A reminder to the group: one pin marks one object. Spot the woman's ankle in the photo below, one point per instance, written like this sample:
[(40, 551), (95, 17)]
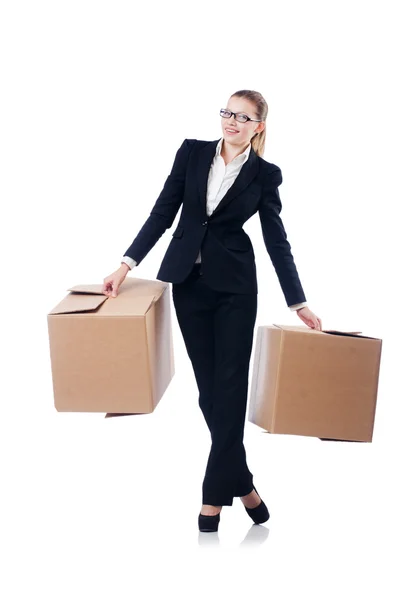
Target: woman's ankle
[(210, 510), (251, 500)]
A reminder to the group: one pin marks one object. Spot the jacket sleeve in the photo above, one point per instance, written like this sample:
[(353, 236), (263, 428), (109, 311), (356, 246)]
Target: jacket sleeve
[(276, 242), (165, 208)]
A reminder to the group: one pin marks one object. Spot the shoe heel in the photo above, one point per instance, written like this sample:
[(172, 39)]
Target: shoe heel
[(208, 522)]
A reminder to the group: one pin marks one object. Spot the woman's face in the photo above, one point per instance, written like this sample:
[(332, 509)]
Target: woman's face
[(245, 131)]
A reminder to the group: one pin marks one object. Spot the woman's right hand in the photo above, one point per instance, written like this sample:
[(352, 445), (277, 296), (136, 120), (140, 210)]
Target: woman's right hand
[(112, 282)]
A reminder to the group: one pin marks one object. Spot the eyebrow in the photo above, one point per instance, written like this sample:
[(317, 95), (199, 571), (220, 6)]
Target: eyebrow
[(238, 112)]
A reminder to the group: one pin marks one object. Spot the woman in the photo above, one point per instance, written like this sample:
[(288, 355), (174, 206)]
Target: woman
[(211, 265)]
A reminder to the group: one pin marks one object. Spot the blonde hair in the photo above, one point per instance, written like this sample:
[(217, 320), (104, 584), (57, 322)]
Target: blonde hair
[(258, 139)]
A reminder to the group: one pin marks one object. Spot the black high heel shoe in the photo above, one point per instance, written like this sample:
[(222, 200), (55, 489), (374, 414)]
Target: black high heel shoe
[(260, 513), (209, 522)]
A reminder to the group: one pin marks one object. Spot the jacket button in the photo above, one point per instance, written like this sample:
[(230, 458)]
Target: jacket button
[(205, 223)]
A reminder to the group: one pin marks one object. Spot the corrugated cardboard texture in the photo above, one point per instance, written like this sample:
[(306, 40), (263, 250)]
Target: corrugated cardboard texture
[(112, 355), (265, 377), (315, 383)]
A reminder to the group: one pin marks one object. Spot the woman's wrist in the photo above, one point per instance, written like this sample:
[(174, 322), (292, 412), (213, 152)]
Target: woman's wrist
[(124, 267)]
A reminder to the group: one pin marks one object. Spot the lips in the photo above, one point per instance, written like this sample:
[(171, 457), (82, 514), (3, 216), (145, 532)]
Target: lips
[(231, 130)]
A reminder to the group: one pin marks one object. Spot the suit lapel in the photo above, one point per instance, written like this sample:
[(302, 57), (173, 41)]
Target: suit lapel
[(248, 171)]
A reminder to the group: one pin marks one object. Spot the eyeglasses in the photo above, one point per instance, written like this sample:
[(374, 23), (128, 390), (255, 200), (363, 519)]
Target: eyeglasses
[(240, 117)]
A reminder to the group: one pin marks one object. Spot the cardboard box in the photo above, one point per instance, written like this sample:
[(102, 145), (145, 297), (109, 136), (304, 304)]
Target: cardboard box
[(112, 355), (315, 383)]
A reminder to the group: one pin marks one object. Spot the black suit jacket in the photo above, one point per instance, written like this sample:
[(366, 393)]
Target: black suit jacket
[(227, 255)]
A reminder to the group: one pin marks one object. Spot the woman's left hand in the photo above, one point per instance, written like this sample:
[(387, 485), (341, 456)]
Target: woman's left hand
[(309, 318)]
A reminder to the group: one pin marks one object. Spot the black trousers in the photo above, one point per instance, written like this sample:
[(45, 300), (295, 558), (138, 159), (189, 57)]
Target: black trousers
[(217, 328)]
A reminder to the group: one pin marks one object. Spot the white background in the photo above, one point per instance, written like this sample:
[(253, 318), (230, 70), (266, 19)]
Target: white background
[(96, 97)]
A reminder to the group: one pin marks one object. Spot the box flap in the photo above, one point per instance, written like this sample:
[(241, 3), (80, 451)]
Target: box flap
[(135, 298), (76, 302), (127, 305), (88, 288), (121, 305), (299, 328), (338, 332), (109, 415), (306, 329)]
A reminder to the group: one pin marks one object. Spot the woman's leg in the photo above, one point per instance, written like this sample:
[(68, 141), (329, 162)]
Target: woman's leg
[(194, 307), (217, 329), (227, 474)]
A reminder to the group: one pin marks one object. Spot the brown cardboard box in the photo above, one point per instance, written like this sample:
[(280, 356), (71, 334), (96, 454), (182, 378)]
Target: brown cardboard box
[(112, 355), (315, 383)]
